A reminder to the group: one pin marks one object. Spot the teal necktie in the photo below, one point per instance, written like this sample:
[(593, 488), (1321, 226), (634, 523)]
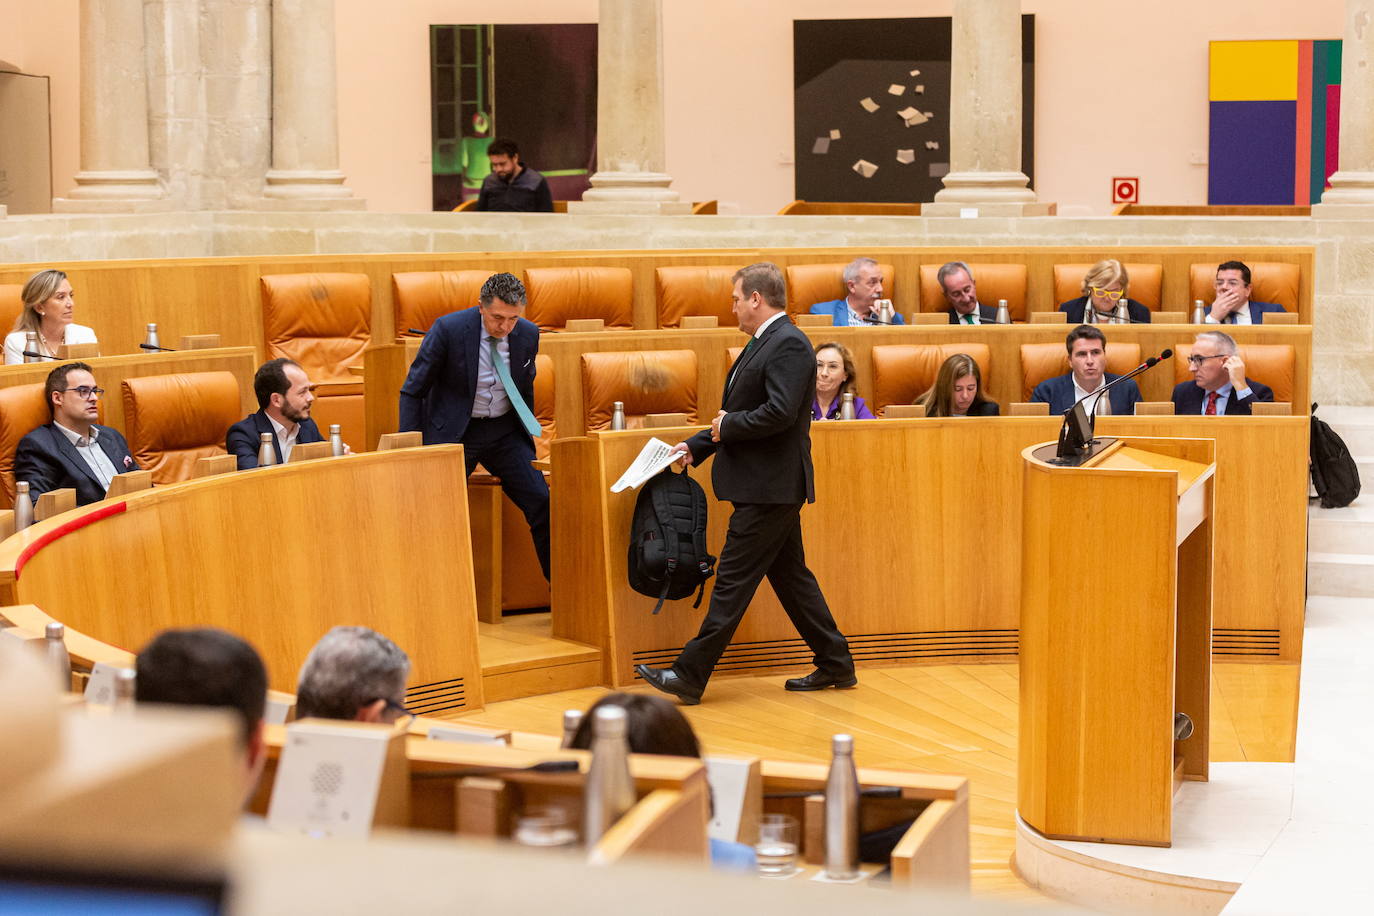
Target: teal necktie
[(522, 410)]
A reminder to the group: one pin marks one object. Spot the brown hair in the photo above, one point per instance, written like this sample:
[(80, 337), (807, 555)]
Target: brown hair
[(939, 398), (846, 359), (653, 725), (764, 278)]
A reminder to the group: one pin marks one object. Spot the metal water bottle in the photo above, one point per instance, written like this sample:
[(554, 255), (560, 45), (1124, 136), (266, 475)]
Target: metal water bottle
[(23, 506), (55, 645), (126, 679), (842, 812), (1199, 312), (1123, 314), (572, 719), (618, 415), (31, 346), (885, 311), (336, 446), (150, 339), (267, 456), (610, 790), (1003, 313), (847, 406)]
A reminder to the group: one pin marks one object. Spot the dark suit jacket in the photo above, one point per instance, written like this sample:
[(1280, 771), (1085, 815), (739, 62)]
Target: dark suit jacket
[(764, 453), (1188, 398), (986, 314), (48, 461), (1058, 393), (1257, 310), (242, 440), (986, 409), (438, 393), (1077, 308)]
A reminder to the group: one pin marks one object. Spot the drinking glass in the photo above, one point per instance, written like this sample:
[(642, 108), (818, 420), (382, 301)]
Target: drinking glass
[(776, 848)]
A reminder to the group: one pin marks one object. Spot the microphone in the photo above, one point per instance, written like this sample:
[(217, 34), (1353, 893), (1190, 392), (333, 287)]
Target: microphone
[(1079, 425), (546, 766), (38, 355), (148, 346), (415, 331), (1149, 363)]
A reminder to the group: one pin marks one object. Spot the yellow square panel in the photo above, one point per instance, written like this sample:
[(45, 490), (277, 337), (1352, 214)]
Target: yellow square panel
[(1253, 71)]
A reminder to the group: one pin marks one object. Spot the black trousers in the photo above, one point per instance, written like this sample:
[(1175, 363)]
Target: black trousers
[(764, 540), (502, 447)]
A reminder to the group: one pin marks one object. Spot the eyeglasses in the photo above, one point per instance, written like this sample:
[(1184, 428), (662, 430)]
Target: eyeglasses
[(1112, 294), (1196, 361), (400, 710), (85, 391)]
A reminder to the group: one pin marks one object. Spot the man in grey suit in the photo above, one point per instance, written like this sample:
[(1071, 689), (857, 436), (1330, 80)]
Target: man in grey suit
[(761, 440)]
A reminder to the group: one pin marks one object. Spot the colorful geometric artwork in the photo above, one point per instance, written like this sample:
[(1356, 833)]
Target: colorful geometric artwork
[(1275, 117)]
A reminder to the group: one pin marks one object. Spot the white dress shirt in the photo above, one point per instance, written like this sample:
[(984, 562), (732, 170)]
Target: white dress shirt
[(91, 452), (1099, 405), (490, 399), (284, 441), (1239, 316)]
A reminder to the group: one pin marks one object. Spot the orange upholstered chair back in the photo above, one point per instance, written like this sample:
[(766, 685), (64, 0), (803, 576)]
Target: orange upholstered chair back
[(902, 373), (322, 321), (421, 296), (544, 404), (683, 291), (1146, 281), (559, 294), (1270, 281), (648, 381), (21, 412), (175, 420), (12, 303), (1272, 364), (1047, 360), (994, 281), (808, 284)]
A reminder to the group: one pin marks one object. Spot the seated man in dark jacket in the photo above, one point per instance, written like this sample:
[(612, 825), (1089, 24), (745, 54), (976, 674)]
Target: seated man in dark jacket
[(284, 397), (1219, 386), (72, 451), (1087, 379), (512, 186)]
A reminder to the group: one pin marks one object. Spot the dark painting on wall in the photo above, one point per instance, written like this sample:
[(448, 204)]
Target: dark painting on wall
[(871, 107), (534, 84)]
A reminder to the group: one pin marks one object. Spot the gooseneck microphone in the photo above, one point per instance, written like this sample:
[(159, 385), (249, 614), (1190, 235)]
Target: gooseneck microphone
[(38, 355), (148, 346), (1080, 425)]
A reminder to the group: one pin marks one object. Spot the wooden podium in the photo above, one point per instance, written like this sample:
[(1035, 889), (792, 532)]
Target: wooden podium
[(1116, 620)]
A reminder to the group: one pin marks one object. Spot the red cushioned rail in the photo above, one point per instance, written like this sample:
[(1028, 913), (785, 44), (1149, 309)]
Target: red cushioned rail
[(64, 529)]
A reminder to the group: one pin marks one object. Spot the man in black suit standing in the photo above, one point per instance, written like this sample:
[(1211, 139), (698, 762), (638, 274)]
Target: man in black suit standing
[(761, 440), (473, 382), (961, 292), (284, 396), (72, 451)]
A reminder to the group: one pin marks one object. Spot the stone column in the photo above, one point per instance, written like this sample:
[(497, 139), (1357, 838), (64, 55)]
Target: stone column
[(305, 121), (629, 114), (115, 175), (1351, 195), (985, 115)]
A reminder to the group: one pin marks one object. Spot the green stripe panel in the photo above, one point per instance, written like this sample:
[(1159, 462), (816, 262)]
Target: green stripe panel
[(1326, 71)]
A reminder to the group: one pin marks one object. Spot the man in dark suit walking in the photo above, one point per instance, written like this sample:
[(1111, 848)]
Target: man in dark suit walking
[(284, 396), (473, 382), (72, 451), (761, 440)]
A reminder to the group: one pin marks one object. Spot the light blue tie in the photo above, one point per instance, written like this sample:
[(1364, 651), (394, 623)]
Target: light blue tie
[(522, 410)]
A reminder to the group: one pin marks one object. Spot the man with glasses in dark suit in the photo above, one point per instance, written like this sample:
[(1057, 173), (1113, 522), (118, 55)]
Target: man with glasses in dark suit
[(355, 674), (1219, 386)]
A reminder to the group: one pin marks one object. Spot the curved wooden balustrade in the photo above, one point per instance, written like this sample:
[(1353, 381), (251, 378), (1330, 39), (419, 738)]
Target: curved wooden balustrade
[(278, 555)]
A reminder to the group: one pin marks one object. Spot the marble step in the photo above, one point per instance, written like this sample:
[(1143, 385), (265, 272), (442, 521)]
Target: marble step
[(1342, 575)]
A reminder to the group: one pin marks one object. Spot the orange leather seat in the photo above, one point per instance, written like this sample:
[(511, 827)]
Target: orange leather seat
[(808, 284), (994, 281), (902, 373), (559, 294), (422, 296), (12, 303), (1274, 365), (1147, 282), (21, 412), (683, 291), (175, 420), (1270, 281), (647, 381), (1047, 360), (323, 322)]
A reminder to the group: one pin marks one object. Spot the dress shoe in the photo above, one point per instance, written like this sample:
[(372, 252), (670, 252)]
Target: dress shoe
[(665, 680), (819, 680)]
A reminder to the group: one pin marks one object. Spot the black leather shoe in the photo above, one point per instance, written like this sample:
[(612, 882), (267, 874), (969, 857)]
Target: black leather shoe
[(819, 680), (665, 680)]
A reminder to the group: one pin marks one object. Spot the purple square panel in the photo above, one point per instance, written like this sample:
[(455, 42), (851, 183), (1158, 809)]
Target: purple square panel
[(1251, 152)]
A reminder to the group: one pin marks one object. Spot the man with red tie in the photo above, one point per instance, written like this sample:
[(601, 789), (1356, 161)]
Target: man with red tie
[(1219, 386)]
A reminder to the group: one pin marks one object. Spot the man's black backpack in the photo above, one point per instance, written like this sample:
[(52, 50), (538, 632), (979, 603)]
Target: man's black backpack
[(668, 557), (1335, 475)]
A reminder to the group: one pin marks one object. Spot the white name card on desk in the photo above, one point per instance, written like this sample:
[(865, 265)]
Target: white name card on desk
[(100, 688), (329, 778), (467, 736), (729, 781)]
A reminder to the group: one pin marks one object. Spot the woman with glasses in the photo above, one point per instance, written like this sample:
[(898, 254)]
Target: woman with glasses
[(1104, 289), (47, 314)]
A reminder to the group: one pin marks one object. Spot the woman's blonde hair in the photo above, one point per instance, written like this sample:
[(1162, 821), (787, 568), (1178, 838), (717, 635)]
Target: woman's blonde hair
[(39, 289), (1104, 274), (939, 398)]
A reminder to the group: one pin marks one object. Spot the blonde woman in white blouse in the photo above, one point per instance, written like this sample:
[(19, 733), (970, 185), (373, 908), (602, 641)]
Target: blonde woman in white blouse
[(48, 310)]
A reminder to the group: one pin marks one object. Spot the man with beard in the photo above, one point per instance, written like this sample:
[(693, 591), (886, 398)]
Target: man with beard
[(284, 397)]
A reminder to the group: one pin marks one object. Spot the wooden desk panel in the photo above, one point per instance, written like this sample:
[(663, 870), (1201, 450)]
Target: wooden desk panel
[(278, 555)]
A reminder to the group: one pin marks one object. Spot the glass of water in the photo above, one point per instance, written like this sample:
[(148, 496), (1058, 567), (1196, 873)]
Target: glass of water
[(776, 848)]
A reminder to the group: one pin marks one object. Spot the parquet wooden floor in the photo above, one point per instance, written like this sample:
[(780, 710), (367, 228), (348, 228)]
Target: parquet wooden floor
[(944, 718)]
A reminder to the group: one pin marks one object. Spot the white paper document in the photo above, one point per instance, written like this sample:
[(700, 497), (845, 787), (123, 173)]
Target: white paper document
[(654, 457)]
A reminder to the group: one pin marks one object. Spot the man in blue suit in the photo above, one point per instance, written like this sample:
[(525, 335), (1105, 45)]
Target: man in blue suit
[(1088, 364), (284, 396), (864, 281), (1219, 386), (473, 382), (1232, 304)]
